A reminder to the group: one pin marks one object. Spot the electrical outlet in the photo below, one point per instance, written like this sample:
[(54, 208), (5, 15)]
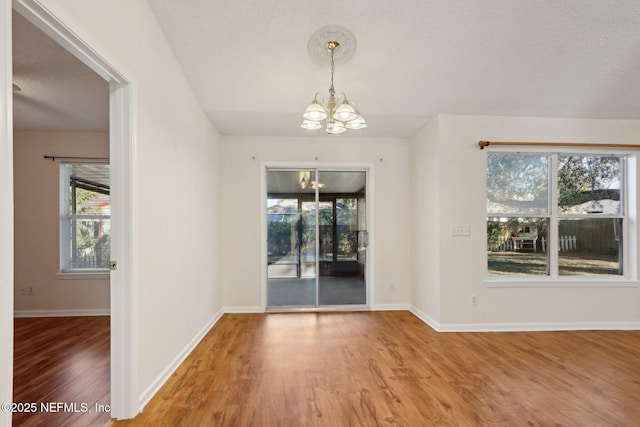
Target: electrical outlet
[(474, 300), (27, 290)]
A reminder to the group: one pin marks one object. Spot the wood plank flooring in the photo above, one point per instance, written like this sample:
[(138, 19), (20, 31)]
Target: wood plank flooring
[(66, 360), (390, 369)]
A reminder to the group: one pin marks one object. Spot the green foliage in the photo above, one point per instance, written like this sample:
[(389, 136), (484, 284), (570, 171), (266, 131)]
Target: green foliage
[(279, 233), (92, 241), (347, 241), (580, 178), (92, 244)]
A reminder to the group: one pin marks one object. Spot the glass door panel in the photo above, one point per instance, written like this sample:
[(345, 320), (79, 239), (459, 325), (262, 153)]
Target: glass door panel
[(363, 234), (308, 239), (325, 234), (341, 279), (291, 238)]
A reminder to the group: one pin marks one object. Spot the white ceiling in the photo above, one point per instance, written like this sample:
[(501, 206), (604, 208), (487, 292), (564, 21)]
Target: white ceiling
[(248, 65)]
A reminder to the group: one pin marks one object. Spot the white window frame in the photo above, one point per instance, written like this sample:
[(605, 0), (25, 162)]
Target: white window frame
[(628, 193), (65, 244)]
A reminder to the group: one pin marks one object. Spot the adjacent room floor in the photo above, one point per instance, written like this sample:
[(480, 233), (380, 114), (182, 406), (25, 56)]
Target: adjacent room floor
[(62, 366)]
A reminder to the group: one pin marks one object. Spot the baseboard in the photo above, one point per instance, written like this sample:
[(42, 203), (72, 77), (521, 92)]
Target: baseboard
[(390, 307), (63, 313), (524, 327), (425, 318), (540, 327), (254, 309), (243, 309), (150, 391)]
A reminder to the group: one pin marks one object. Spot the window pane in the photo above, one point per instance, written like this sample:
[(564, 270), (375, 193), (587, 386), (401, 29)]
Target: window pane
[(85, 210), (89, 243), (325, 217), (290, 238), (590, 246), (517, 246), (89, 188), (589, 184), (517, 184), (282, 239), (347, 228), (308, 240)]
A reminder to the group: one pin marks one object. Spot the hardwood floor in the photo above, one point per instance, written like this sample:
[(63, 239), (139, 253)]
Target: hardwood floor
[(389, 368), (57, 361)]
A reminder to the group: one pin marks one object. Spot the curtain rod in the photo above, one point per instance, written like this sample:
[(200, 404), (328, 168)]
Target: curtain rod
[(53, 158), (483, 144)]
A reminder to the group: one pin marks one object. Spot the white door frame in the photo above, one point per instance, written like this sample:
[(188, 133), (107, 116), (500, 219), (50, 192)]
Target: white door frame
[(369, 168), (6, 214), (124, 319)]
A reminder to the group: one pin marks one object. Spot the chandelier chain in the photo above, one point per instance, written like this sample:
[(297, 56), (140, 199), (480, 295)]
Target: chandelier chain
[(333, 68)]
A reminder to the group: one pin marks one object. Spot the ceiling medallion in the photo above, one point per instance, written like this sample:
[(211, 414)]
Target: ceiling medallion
[(317, 44)]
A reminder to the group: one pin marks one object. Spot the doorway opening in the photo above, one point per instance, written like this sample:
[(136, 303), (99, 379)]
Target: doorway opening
[(123, 339), (61, 273), (316, 239)]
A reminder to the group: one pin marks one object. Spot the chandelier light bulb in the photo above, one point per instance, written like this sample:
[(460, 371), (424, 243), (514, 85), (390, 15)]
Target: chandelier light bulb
[(345, 111), (356, 124), (311, 124), (315, 111), (336, 127)]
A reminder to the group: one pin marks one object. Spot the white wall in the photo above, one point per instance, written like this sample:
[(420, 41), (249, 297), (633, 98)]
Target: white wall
[(36, 189), (462, 261), (176, 172), (425, 222), (243, 209)]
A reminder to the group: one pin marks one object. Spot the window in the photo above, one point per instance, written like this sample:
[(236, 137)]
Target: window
[(555, 214), (85, 209)]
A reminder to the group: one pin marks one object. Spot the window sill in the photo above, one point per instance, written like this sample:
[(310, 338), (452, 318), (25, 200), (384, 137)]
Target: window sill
[(93, 275), (569, 282)]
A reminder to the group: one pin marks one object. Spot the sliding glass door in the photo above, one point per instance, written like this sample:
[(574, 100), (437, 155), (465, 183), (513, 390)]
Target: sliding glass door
[(316, 238), (342, 238)]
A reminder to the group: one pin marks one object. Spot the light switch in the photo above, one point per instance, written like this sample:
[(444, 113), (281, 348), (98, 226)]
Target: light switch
[(460, 230)]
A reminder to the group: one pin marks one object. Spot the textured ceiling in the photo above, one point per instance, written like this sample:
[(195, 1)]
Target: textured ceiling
[(248, 65), (59, 93)]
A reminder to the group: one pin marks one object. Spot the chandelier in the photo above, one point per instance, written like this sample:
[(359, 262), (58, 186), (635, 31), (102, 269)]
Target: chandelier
[(340, 113)]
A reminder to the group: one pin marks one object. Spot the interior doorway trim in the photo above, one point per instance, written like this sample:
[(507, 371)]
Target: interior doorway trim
[(122, 121), (6, 213), (369, 168)]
